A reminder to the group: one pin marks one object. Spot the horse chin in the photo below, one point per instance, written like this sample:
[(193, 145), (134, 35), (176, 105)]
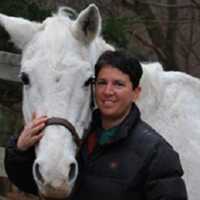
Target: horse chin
[(54, 194)]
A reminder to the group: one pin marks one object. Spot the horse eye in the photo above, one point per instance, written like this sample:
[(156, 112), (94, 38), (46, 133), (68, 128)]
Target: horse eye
[(89, 81), (25, 78)]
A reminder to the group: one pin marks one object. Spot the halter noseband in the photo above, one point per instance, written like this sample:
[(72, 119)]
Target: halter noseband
[(67, 125)]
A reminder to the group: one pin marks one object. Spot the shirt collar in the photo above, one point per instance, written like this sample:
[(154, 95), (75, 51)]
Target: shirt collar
[(118, 132)]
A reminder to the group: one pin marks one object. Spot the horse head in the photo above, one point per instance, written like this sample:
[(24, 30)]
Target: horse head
[(58, 56)]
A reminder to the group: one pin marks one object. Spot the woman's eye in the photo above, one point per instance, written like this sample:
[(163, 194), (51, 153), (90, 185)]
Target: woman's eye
[(101, 82), (119, 83), (25, 78)]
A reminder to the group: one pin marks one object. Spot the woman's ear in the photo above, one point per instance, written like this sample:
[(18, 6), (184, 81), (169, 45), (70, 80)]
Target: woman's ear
[(136, 93)]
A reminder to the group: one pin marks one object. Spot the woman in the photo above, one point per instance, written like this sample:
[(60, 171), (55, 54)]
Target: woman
[(122, 157)]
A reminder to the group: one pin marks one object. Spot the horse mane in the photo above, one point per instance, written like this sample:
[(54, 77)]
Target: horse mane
[(66, 11), (65, 15)]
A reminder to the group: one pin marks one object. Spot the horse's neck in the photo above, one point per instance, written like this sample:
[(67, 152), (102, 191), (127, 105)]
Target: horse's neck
[(151, 93), (97, 48)]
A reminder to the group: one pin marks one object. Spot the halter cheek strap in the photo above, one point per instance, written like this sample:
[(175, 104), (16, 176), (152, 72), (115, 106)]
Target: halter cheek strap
[(90, 82), (67, 125)]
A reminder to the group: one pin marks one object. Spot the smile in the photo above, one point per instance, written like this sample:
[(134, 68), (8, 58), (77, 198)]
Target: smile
[(108, 102)]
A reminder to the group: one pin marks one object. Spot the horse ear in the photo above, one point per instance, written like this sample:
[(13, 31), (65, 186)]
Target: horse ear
[(88, 24), (20, 30)]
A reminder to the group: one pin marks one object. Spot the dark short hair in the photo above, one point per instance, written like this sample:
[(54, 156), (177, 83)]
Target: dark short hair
[(122, 61)]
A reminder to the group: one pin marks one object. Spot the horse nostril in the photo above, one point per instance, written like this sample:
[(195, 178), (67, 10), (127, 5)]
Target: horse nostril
[(37, 172), (72, 171)]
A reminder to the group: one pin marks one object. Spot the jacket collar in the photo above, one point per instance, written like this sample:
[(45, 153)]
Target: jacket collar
[(123, 129)]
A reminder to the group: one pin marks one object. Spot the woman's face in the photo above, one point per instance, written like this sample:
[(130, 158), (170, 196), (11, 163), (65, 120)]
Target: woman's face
[(114, 93)]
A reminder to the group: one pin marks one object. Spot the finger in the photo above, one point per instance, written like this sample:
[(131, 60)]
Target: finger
[(33, 115), (37, 129), (37, 138), (39, 121)]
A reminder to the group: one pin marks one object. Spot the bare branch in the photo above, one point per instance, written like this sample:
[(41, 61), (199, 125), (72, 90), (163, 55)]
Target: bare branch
[(149, 45), (168, 21), (171, 5), (167, 5), (196, 3), (155, 32), (162, 29), (186, 48), (171, 33)]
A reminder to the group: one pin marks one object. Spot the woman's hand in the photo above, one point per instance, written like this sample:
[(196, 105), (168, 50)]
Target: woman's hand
[(31, 133)]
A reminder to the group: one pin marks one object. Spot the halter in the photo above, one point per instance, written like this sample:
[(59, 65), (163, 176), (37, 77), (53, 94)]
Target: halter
[(90, 82), (67, 125)]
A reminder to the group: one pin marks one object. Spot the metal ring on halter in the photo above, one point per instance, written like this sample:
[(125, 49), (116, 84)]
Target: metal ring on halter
[(66, 124)]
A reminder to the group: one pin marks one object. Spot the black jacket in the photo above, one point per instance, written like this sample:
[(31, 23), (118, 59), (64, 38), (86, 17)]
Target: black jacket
[(136, 164)]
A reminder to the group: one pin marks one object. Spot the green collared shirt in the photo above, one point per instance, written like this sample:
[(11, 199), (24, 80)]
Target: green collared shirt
[(107, 135)]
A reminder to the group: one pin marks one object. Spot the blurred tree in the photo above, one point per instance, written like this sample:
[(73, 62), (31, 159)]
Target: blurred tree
[(115, 30), (163, 30), (172, 29)]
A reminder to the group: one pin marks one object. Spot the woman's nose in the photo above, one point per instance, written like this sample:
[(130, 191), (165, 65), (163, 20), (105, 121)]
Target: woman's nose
[(109, 89)]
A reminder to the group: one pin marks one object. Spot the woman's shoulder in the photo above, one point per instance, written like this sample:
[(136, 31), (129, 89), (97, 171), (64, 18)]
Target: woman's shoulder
[(148, 141)]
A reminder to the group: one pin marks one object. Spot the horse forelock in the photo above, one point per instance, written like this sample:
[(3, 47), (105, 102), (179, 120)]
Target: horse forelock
[(56, 42), (67, 11)]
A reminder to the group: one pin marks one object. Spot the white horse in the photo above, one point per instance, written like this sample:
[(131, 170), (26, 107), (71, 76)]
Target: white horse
[(58, 59)]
